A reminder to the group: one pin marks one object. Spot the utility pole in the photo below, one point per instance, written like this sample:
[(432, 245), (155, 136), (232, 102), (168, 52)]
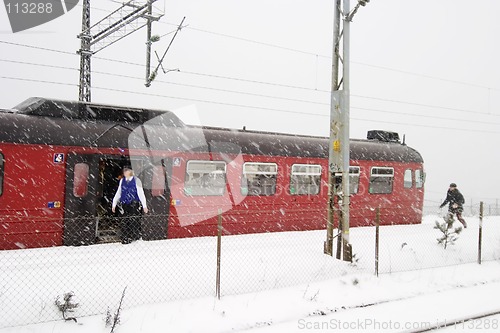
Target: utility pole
[(117, 25), (333, 159), (339, 146)]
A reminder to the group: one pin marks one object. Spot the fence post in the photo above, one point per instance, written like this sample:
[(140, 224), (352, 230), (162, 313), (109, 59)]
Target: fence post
[(479, 248), (219, 239), (377, 224)]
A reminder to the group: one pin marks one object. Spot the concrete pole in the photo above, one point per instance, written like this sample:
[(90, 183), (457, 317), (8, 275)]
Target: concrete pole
[(334, 120), (345, 146)]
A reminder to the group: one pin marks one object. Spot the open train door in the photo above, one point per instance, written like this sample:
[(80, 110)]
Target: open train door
[(80, 203), (157, 191)]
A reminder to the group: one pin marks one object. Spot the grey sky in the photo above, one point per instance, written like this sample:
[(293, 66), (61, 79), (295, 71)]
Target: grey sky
[(424, 68)]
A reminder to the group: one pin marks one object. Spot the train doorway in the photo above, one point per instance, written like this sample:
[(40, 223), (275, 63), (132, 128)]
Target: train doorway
[(92, 181), (108, 227)]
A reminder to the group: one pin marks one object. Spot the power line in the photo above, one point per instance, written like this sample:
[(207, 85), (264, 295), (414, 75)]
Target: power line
[(425, 76), (257, 95), (426, 126), (37, 47), (329, 57), (264, 82), (185, 72), (426, 116), (245, 106), (166, 82), (251, 94), (164, 96), (425, 105), (291, 49)]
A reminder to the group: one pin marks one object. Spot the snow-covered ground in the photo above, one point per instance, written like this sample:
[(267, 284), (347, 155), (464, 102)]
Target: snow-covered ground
[(407, 300), (270, 282)]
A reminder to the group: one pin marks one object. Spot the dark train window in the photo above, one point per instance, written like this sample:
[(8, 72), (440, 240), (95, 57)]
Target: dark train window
[(306, 179), (205, 178), (1, 172), (419, 178), (354, 172), (81, 180), (259, 178), (381, 180), (158, 182), (408, 178)]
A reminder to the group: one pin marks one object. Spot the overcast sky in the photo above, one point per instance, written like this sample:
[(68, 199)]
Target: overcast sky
[(428, 69)]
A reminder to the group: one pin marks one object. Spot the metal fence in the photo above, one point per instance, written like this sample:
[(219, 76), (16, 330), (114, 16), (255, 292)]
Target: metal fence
[(471, 208), (31, 280)]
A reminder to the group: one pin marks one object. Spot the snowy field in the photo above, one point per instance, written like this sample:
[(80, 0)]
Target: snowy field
[(266, 279)]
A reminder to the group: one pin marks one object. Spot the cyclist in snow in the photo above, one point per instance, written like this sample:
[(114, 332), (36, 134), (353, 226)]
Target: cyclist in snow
[(456, 201)]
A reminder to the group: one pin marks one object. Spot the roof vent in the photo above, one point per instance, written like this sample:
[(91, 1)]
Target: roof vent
[(383, 136)]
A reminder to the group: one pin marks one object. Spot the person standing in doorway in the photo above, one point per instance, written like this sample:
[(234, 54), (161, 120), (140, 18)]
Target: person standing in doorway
[(456, 201), (130, 195)]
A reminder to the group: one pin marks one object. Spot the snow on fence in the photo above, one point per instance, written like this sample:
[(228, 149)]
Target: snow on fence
[(160, 271)]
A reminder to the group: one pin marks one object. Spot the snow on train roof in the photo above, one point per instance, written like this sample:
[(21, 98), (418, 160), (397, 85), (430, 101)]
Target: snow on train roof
[(164, 131), (43, 107)]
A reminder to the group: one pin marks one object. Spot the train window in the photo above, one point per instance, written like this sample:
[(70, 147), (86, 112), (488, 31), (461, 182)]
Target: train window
[(354, 172), (259, 178), (158, 183), (205, 178), (408, 178), (381, 180), (1, 172), (419, 178), (81, 180), (306, 179)]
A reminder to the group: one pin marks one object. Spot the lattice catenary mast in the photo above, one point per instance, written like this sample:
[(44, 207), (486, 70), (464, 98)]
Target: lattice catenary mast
[(112, 28)]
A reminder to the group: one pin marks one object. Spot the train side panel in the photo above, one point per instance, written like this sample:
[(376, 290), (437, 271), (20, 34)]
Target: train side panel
[(283, 211), (31, 205)]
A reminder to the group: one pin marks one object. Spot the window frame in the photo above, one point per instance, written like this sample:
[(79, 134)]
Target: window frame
[(81, 181), (419, 181), (391, 176), (405, 182), (2, 172), (354, 175), (313, 174), (244, 179), (189, 162)]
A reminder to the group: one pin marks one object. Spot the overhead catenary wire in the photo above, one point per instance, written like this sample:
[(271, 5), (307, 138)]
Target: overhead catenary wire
[(262, 108), (253, 94), (260, 82), (315, 54)]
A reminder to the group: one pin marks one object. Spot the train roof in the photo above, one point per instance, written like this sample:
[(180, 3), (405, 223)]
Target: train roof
[(72, 110), (60, 123)]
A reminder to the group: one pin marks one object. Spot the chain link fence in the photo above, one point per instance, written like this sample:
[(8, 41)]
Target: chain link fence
[(31, 280), (491, 208)]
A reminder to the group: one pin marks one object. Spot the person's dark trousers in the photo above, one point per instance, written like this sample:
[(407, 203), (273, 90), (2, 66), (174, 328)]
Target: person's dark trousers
[(458, 212), (131, 222)]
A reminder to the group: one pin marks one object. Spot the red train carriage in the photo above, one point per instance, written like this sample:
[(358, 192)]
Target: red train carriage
[(60, 162)]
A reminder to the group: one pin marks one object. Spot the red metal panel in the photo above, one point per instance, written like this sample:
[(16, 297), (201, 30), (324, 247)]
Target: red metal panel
[(32, 202), (33, 180)]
